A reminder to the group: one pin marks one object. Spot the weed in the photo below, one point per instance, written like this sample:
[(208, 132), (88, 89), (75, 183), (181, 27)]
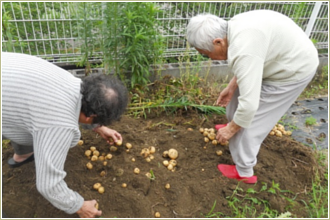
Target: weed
[(310, 121), (213, 214), (317, 206), (5, 143), (152, 177)]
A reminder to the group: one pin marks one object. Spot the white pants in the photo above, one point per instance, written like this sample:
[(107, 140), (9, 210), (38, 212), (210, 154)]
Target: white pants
[(274, 102)]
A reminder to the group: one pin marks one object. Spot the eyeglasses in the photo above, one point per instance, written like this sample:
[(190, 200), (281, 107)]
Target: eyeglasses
[(204, 55)]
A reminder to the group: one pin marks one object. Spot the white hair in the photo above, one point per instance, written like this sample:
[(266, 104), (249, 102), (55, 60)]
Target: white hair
[(203, 29)]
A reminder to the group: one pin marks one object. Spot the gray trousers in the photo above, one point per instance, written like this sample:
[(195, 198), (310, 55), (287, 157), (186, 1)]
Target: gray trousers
[(20, 140), (274, 102)]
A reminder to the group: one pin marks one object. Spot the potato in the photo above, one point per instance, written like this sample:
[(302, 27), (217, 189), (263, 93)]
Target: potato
[(102, 174), (165, 154), (105, 163), (92, 148), (133, 159), (124, 185), (151, 157), (166, 163), (205, 133), (214, 142), (201, 130), (96, 206), (97, 186), (94, 158), (272, 133), (225, 143), (145, 152), (152, 149), (137, 170), (119, 143), (113, 148), (96, 153), (289, 133), (148, 175), (128, 146), (157, 215), (219, 152), (173, 162), (190, 129), (211, 136), (278, 134), (101, 190), (206, 140), (109, 156), (167, 186), (101, 158), (89, 165), (148, 159), (173, 154), (80, 142), (170, 167), (88, 153)]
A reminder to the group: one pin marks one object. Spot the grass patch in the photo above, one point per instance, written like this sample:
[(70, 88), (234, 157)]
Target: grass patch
[(5, 143)]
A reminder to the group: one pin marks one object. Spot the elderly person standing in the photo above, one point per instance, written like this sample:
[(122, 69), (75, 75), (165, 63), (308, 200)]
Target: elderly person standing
[(272, 60), (42, 106)]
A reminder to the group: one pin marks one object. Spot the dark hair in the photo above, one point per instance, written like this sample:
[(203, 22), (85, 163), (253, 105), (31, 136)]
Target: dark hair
[(104, 96)]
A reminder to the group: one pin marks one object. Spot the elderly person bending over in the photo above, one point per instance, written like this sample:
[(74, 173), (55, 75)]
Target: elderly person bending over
[(42, 106), (272, 60)]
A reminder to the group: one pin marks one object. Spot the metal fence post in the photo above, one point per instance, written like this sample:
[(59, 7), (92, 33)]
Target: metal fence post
[(312, 19)]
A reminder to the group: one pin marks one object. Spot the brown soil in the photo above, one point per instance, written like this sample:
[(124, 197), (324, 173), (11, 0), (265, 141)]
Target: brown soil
[(195, 185)]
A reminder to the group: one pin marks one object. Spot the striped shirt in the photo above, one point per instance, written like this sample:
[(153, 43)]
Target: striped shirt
[(40, 106)]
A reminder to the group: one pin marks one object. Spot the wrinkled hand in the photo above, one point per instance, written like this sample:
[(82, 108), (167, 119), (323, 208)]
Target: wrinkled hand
[(224, 134), (88, 210), (107, 133), (225, 97)]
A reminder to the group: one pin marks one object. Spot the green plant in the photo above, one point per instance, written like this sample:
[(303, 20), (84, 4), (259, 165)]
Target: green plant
[(212, 214), (6, 32), (84, 29), (310, 121), (152, 175), (5, 143), (131, 40), (317, 206)]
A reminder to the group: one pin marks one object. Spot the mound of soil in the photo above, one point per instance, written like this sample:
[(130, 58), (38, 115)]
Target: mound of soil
[(195, 184)]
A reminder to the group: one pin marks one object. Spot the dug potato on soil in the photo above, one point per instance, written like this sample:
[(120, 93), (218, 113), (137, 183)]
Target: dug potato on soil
[(191, 193)]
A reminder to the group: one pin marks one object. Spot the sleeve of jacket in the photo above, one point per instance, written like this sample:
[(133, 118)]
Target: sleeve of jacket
[(51, 147), (247, 55)]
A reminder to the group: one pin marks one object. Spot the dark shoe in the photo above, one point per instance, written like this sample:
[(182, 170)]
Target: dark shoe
[(12, 163)]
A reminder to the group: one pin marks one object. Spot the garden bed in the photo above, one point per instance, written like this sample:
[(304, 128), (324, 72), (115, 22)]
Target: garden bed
[(196, 184)]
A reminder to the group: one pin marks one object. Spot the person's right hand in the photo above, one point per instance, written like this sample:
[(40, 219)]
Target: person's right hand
[(88, 210), (225, 97)]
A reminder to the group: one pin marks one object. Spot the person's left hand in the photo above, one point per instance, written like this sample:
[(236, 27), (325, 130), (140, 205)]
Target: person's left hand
[(107, 133), (225, 133)]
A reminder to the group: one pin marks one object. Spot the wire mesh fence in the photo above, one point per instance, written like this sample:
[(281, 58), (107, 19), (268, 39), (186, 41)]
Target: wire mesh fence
[(56, 31)]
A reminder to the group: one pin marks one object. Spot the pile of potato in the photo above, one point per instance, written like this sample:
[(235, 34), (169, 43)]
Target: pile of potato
[(172, 154), (147, 153), (278, 130), (210, 136)]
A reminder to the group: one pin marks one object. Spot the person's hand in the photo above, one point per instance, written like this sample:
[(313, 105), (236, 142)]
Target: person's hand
[(107, 133), (224, 97), (88, 210), (225, 133)]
